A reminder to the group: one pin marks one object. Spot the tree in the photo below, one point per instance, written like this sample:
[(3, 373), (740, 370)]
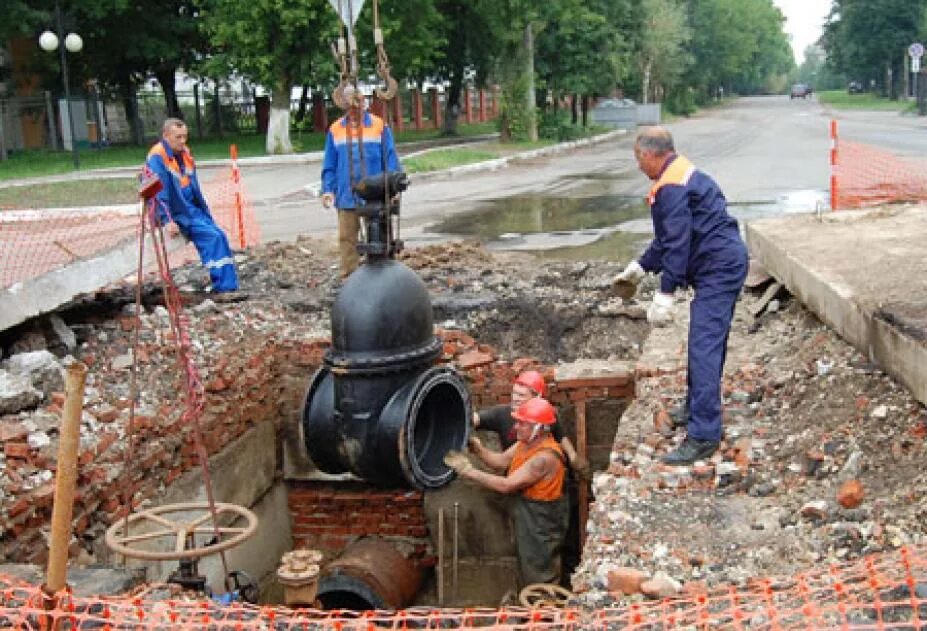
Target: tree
[(867, 39), (468, 47), (662, 58), (277, 43)]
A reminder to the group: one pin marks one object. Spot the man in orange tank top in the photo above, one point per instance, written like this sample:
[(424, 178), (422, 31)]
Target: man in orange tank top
[(535, 469)]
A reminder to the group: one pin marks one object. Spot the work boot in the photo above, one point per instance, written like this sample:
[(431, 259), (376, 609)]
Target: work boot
[(229, 296), (679, 414), (689, 451)]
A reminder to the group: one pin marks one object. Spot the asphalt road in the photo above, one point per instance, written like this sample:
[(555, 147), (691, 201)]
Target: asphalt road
[(765, 152)]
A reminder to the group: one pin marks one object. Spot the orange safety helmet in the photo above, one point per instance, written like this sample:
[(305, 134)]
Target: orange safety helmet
[(534, 380), (536, 410)]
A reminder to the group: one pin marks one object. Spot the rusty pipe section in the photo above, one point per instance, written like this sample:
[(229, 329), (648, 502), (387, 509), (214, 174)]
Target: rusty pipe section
[(65, 479), (379, 407), (371, 573)]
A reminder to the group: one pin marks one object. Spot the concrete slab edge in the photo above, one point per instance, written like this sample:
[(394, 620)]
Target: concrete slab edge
[(834, 303), (44, 294)]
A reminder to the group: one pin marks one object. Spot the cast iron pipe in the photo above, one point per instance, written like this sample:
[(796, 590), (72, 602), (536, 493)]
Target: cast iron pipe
[(370, 574)]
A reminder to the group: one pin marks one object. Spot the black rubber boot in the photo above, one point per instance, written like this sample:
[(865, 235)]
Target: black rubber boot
[(691, 450)]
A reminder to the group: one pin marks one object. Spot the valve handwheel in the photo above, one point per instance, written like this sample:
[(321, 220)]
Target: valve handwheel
[(180, 530), (539, 595)]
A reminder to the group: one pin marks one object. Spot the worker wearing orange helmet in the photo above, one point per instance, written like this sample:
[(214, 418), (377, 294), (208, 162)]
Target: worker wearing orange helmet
[(534, 472), (527, 385)]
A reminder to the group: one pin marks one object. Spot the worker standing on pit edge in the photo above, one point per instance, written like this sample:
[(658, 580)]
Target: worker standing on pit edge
[(535, 469), (697, 243), (356, 134)]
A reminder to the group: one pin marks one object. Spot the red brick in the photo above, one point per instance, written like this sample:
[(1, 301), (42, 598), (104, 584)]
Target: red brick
[(619, 377), (472, 359), (19, 507), (626, 580), (850, 494), (16, 450), (106, 414), (12, 432)]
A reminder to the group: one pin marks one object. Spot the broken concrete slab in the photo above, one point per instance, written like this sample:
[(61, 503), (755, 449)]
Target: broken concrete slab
[(45, 293), (861, 272)]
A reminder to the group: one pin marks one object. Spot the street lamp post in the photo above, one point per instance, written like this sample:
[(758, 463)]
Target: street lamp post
[(49, 41)]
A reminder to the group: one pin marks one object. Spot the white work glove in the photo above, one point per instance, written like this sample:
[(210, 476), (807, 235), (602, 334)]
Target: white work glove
[(328, 200), (660, 312), (633, 273)]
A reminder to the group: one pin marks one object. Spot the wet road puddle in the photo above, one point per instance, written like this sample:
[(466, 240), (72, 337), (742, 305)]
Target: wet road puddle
[(789, 203), (608, 226), (611, 227)]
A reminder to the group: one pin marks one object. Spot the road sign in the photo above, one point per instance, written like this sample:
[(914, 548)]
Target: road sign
[(915, 64), (916, 50), (348, 10)]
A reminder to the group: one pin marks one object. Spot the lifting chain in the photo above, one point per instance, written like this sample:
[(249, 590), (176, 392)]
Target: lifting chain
[(193, 385), (383, 68)]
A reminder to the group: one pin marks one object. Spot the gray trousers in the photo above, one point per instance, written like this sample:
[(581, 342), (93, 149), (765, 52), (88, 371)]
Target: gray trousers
[(540, 530)]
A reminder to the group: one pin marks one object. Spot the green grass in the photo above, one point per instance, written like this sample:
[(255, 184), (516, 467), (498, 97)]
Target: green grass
[(122, 190), (445, 158), (457, 156), (841, 99)]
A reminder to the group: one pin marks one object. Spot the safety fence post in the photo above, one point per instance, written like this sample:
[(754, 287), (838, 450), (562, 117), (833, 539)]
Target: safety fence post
[(417, 108), (397, 121), (239, 210), (435, 109), (468, 105), (833, 165)]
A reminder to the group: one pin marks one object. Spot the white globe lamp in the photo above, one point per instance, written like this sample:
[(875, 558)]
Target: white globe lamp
[(73, 43), (48, 41)]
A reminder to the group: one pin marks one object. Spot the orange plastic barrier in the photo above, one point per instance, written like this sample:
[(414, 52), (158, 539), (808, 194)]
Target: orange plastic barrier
[(35, 242), (886, 591), (864, 175)]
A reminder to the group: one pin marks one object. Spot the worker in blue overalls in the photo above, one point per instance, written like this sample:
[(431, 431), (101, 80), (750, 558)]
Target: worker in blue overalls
[(698, 245), (182, 201)]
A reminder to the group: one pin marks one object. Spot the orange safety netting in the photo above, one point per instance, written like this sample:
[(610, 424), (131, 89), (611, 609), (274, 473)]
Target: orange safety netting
[(883, 591), (865, 175), (35, 242)]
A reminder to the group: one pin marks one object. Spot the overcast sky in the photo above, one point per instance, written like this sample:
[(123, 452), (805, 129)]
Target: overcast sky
[(804, 19)]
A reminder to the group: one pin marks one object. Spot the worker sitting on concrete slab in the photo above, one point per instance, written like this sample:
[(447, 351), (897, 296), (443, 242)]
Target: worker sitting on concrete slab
[(535, 469), (182, 201), (698, 245), (498, 418)]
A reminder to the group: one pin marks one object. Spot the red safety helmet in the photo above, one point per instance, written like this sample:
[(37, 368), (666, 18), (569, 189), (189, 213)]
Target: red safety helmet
[(534, 380), (536, 410)]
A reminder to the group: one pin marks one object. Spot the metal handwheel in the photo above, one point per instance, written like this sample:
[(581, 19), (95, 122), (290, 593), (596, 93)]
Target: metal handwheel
[(180, 531), (544, 595)]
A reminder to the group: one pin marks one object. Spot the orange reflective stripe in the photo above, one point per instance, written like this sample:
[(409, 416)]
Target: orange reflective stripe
[(371, 133), (678, 172), (546, 489)]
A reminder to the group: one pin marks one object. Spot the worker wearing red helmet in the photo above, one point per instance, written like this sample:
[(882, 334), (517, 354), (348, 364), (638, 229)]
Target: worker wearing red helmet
[(527, 385), (534, 471)]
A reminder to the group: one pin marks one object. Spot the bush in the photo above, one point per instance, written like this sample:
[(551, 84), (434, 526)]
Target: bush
[(557, 125), (681, 101)]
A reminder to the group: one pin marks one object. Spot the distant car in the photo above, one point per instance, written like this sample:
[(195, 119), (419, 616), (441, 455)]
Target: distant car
[(855, 87), (800, 91)]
